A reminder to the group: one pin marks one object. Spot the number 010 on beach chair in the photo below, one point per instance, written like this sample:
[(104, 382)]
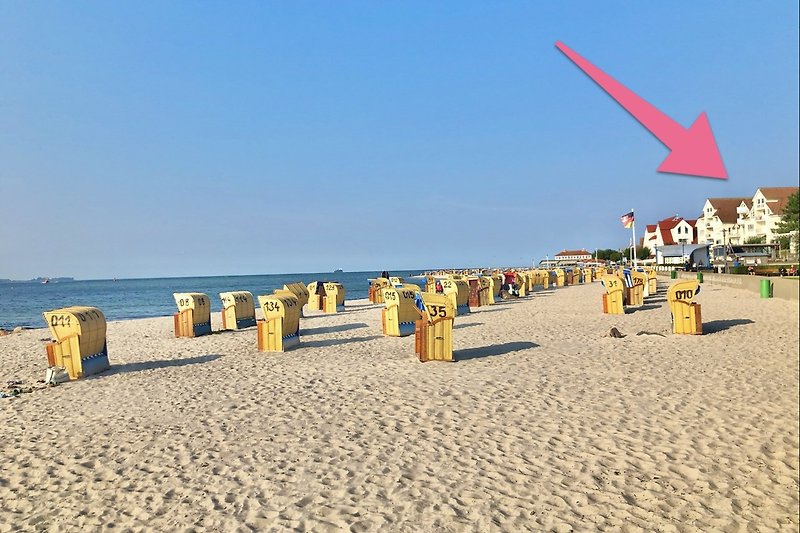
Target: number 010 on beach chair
[(80, 340), (434, 329), (686, 317), (193, 318), (280, 329)]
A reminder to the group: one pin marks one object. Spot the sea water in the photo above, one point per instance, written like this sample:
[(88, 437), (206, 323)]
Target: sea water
[(22, 303)]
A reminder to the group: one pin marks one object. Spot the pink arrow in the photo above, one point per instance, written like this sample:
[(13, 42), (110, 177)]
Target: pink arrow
[(693, 152)]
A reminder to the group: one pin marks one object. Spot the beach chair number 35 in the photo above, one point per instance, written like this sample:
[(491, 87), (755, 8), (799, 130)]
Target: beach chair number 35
[(437, 310)]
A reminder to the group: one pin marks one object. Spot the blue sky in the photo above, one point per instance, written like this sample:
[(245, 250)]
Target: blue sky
[(198, 138)]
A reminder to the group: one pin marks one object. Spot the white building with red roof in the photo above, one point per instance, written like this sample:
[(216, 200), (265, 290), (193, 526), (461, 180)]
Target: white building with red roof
[(573, 255), (734, 220), (672, 230)]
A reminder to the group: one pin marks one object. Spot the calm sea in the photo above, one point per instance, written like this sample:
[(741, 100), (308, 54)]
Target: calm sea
[(22, 303)]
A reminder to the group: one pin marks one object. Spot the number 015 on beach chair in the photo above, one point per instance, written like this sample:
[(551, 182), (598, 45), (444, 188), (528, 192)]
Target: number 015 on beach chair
[(80, 340), (400, 315), (612, 298), (434, 329), (686, 317), (193, 318), (280, 329)]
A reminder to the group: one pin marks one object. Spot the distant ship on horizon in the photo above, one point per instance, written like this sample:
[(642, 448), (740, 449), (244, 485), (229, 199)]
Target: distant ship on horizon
[(338, 271)]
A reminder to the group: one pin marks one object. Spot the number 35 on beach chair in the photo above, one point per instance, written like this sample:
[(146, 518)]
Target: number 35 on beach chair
[(686, 317), (80, 340), (613, 297), (434, 329)]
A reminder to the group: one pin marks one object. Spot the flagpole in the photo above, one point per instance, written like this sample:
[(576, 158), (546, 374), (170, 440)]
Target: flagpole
[(633, 231)]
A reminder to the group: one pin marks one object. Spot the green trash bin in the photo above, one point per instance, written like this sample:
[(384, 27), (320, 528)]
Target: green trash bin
[(766, 288), (699, 277), (673, 275)]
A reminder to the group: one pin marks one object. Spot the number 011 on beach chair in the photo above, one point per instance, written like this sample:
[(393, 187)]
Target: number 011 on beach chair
[(80, 340), (434, 329), (686, 317)]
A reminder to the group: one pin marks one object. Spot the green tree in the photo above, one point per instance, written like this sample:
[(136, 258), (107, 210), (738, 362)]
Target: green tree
[(790, 221), (756, 240), (642, 252)]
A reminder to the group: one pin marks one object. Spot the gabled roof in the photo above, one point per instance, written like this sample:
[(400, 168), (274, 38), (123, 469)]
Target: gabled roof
[(651, 228), (669, 223), (777, 197), (726, 208), (666, 236), (573, 252)]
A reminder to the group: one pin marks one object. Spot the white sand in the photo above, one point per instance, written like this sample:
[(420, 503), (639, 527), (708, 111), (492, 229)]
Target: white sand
[(546, 424)]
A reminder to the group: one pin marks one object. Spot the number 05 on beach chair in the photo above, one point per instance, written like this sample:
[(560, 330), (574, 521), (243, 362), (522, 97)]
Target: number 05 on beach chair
[(193, 318), (686, 317), (434, 329), (80, 340)]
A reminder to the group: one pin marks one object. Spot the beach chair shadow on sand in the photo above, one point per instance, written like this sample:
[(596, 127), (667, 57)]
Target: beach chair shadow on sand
[(331, 329), (473, 324), (489, 351), (334, 342), (721, 325), (152, 365)]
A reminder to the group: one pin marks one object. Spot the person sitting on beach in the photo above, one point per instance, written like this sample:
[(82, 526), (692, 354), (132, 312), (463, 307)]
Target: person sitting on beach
[(510, 277), (751, 270), (385, 274)]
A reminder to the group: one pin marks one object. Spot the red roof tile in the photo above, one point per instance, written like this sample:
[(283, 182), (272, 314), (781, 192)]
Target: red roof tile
[(573, 252), (726, 208), (777, 197)]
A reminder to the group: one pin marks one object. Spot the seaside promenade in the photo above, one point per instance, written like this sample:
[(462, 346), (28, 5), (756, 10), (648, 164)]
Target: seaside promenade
[(545, 423)]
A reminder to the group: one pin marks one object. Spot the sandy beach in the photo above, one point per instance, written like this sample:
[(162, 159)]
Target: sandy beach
[(544, 424)]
